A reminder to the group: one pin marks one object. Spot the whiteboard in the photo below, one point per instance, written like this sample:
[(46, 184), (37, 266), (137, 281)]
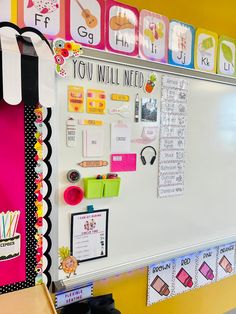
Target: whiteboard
[(142, 227)]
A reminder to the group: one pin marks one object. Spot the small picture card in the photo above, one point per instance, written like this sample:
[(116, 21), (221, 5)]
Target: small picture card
[(160, 282), (89, 235), (44, 15), (226, 261), (93, 142), (205, 51), (181, 44), (121, 28), (206, 266), (85, 22), (226, 56), (75, 99), (96, 101), (123, 162), (149, 110), (120, 137), (185, 273), (153, 36)]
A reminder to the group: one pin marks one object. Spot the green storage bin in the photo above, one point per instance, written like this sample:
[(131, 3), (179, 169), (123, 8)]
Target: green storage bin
[(111, 187), (93, 188)]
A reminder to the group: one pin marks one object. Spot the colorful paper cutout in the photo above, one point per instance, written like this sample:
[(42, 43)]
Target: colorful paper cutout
[(226, 56), (181, 44), (85, 22), (45, 15), (121, 28), (75, 99), (96, 101), (123, 162), (151, 83), (153, 36), (205, 51), (62, 51), (68, 263)]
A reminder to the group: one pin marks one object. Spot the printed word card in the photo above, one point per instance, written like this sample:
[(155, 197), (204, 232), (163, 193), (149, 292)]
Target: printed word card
[(169, 278), (85, 22), (89, 235), (160, 281), (226, 56), (205, 51), (153, 36), (172, 136)]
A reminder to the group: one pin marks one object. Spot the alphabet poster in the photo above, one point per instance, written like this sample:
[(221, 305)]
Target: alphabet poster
[(44, 15), (85, 21), (205, 50), (181, 44), (153, 36), (122, 28), (226, 56)]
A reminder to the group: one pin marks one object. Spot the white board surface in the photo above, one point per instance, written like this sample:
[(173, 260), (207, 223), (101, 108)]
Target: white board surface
[(143, 228)]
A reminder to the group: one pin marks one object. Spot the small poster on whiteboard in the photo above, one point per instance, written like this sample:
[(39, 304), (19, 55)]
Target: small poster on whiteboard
[(89, 235)]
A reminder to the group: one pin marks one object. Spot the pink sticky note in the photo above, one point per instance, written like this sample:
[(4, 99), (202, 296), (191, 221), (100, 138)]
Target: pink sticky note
[(123, 162)]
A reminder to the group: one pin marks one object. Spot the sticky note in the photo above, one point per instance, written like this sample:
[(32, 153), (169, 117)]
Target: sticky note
[(205, 51)]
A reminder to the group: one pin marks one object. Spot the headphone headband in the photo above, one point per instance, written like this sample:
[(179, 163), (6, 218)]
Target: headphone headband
[(155, 152), (153, 157)]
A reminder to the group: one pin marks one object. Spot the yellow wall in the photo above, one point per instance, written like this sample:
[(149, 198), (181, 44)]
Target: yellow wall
[(129, 290)]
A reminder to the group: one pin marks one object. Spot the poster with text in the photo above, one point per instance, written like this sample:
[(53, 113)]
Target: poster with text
[(226, 261), (89, 235)]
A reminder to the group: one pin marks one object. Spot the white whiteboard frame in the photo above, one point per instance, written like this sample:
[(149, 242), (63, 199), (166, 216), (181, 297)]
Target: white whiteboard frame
[(92, 54)]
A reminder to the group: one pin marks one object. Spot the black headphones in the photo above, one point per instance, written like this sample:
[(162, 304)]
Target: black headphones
[(153, 157)]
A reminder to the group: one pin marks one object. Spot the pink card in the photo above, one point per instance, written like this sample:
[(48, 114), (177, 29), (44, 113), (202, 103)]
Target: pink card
[(153, 36), (85, 22), (48, 16), (122, 28), (123, 162), (12, 183)]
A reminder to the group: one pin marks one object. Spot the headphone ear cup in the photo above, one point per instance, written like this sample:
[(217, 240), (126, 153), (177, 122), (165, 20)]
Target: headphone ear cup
[(143, 160), (153, 160)]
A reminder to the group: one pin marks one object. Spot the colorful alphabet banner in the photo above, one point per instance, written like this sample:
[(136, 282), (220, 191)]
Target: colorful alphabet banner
[(205, 50), (85, 22), (45, 15), (226, 56), (122, 28), (181, 44), (153, 36)]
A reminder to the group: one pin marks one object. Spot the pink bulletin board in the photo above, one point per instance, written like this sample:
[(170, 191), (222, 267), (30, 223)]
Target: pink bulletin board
[(121, 28), (12, 185), (85, 22), (153, 36), (48, 16)]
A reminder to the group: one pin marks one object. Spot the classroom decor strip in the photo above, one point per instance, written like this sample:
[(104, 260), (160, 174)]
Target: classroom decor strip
[(182, 274), (43, 212)]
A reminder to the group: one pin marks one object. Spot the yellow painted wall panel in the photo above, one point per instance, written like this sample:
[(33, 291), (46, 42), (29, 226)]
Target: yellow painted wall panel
[(129, 290)]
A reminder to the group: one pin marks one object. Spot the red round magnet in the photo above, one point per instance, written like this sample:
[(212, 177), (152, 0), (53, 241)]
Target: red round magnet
[(73, 195)]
